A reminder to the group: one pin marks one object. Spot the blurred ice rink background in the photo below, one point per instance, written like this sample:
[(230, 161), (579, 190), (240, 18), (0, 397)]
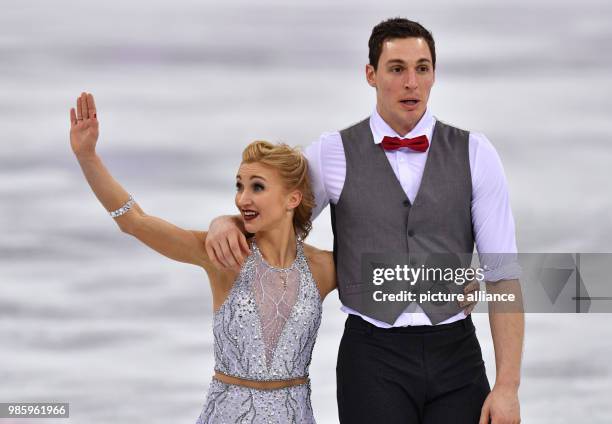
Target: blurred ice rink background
[(91, 317)]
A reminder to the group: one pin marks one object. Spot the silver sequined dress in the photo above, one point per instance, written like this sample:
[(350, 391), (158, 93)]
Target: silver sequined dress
[(265, 330)]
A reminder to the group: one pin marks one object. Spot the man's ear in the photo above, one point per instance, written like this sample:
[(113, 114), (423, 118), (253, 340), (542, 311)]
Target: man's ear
[(295, 198), (370, 75)]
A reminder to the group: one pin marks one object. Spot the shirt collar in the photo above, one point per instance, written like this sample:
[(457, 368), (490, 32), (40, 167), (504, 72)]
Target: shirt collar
[(381, 129)]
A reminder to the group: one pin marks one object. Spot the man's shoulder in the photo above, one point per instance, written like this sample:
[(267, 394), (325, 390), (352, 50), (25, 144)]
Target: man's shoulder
[(329, 142), (321, 146), (481, 143), (355, 125), (336, 136), (451, 126), (478, 139), (329, 136)]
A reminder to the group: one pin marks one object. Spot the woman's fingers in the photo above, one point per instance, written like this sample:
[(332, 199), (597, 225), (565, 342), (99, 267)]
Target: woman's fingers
[(73, 118), (84, 107), (91, 106), (79, 109)]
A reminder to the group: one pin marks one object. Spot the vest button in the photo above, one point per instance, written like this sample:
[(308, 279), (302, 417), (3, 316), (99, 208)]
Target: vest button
[(406, 203), (410, 233)]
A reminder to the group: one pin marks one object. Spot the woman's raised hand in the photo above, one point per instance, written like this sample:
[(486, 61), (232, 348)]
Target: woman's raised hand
[(84, 126)]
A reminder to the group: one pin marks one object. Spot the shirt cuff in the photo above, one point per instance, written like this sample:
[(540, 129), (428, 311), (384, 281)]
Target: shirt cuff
[(500, 266)]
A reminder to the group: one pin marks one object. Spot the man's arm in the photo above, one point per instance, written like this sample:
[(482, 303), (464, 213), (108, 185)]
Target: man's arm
[(494, 231), (226, 243), (507, 323), (314, 155)]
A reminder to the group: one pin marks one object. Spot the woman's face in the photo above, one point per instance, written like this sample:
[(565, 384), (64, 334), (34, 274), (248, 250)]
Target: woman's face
[(261, 198)]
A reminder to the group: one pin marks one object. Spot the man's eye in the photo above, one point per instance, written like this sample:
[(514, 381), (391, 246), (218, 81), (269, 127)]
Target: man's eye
[(423, 68), (396, 69)]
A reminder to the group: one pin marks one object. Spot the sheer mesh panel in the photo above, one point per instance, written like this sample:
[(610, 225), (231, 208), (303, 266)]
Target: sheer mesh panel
[(275, 291)]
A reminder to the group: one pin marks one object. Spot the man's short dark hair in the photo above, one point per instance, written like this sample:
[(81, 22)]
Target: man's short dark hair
[(398, 28)]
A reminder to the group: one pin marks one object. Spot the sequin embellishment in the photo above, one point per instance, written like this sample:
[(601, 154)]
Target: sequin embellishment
[(265, 330)]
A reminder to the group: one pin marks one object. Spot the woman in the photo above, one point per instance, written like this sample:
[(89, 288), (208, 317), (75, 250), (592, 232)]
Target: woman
[(267, 313)]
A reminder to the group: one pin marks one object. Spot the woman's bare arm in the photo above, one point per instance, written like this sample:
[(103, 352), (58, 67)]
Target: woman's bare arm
[(169, 240), (321, 264)]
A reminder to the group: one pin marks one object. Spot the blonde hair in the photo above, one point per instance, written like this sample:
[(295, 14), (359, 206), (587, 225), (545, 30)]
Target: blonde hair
[(293, 169)]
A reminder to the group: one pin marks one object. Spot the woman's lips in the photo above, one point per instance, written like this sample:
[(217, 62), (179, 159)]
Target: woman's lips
[(249, 215)]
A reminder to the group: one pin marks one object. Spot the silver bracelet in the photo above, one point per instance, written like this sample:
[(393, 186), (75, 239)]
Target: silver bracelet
[(123, 209)]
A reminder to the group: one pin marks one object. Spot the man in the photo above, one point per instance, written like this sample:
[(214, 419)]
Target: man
[(402, 181)]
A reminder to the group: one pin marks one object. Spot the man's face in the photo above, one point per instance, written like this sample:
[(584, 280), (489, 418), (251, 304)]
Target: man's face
[(403, 81)]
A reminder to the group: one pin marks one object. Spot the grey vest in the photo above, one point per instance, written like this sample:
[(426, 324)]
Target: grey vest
[(375, 224)]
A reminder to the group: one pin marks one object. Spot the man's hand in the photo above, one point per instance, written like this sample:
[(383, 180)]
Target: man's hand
[(226, 243), (501, 406), (470, 288)]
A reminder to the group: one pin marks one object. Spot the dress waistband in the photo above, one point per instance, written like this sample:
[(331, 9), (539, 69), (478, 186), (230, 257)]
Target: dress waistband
[(260, 384)]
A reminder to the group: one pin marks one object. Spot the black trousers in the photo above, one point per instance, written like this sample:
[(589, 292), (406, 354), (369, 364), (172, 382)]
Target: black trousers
[(410, 375)]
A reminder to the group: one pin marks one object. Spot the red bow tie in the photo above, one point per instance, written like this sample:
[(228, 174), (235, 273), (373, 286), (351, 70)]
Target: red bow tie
[(419, 144)]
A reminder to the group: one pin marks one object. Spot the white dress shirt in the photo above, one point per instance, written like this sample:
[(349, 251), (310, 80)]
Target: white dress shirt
[(492, 219)]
